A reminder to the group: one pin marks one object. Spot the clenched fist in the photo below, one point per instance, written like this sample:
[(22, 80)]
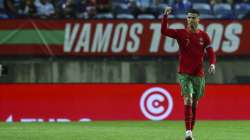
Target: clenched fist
[(168, 10)]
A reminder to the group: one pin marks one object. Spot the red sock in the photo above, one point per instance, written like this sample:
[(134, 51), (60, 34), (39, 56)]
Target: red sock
[(188, 117), (193, 115)]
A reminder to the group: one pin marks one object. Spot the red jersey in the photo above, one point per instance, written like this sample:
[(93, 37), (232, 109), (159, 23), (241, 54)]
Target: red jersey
[(192, 48)]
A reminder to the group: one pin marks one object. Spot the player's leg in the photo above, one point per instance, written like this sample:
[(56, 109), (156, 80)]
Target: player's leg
[(187, 91), (199, 87), (194, 108), (188, 111), (188, 115)]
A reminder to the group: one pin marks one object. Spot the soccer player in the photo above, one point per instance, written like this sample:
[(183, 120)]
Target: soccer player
[(193, 45)]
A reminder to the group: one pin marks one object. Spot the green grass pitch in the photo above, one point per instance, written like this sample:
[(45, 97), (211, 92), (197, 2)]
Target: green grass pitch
[(124, 130)]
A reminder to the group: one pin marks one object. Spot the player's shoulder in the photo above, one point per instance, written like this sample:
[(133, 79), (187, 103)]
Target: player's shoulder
[(203, 33), (182, 31)]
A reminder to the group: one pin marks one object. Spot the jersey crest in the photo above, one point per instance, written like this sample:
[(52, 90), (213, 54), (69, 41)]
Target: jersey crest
[(201, 41)]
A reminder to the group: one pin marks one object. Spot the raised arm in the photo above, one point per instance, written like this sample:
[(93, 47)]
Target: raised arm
[(164, 25)]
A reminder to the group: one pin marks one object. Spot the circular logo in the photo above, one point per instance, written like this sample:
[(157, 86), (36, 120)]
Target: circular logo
[(156, 103)]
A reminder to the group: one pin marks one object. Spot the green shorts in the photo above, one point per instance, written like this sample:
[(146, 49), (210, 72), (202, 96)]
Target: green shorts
[(194, 85)]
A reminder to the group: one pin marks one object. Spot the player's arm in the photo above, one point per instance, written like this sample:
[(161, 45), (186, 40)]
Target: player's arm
[(210, 53), (212, 59), (164, 25)]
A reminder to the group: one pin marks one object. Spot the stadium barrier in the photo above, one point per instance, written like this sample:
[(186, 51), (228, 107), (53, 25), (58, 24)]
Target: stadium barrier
[(92, 102), (113, 37)]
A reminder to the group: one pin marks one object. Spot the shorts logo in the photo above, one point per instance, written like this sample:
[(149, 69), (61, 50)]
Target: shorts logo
[(156, 103)]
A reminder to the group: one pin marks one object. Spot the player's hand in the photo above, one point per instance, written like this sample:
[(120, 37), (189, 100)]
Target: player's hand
[(168, 10), (211, 69), (1, 69)]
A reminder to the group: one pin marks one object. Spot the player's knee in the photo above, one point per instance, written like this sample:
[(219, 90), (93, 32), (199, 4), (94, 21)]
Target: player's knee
[(188, 100)]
